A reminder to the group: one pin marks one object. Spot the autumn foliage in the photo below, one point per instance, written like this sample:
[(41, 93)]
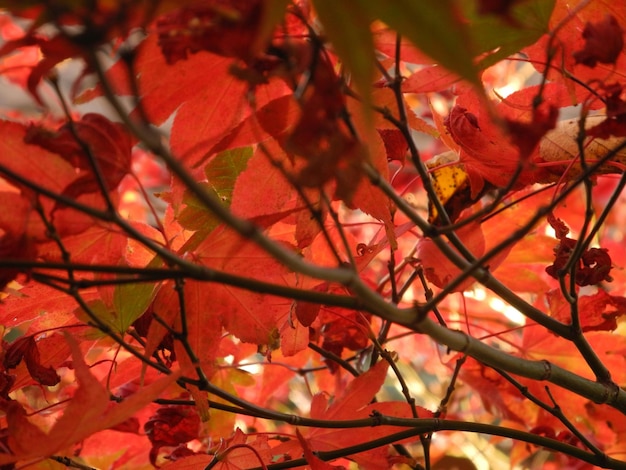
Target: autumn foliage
[(290, 233)]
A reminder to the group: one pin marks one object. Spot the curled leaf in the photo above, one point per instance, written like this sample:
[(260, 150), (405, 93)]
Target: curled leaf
[(597, 312), (170, 426), (26, 348), (451, 183), (594, 265), (485, 150)]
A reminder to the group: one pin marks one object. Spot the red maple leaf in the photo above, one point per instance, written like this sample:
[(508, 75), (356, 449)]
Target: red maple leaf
[(615, 122), (42, 168), (430, 79), (355, 402), (87, 413), (171, 426), (438, 268), (142, 327), (395, 144), (224, 27), (497, 143), (50, 52), (527, 135), (314, 462), (250, 316), (385, 42), (604, 41), (16, 247), (164, 88), (321, 138), (26, 348), (243, 451), (594, 265), (343, 329), (93, 139), (483, 146), (17, 65), (485, 380), (597, 312)]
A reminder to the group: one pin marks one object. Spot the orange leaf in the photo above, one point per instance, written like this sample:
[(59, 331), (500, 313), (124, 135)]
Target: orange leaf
[(242, 452), (193, 462), (85, 409), (251, 316), (109, 145), (358, 394), (41, 167), (261, 179), (438, 268), (597, 312), (88, 412), (314, 462)]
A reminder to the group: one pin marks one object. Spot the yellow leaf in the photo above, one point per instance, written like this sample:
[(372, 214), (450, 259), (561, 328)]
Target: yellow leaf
[(451, 184)]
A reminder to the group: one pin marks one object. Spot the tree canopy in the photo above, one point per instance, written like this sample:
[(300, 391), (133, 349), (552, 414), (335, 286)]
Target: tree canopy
[(300, 233)]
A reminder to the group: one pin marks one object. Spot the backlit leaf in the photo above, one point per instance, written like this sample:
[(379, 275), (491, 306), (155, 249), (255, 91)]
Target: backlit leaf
[(195, 215), (42, 167), (435, 27), (236, 455), (560, 145), (222, 171), (450, 182), (358, 394), (439, 269), (93, 137), (82, 415), (571, 24), (131, 301), (261, 178)]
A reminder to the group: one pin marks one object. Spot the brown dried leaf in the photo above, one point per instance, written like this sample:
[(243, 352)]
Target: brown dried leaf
[(559, 145)]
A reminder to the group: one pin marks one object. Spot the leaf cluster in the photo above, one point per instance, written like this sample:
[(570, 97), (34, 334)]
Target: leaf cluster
[(278, 233)]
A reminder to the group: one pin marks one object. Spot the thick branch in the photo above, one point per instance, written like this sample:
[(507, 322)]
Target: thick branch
[(609, 394)]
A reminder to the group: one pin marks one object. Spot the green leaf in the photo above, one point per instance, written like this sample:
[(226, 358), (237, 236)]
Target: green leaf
[(222, 171), (526, 22), (130, 301), (98, 309), (348, 28), (434, 26), (195, 215)]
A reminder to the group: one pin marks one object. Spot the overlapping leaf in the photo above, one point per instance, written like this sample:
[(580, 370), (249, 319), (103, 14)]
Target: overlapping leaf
[(354, 403), (251, 316), (87, 413)]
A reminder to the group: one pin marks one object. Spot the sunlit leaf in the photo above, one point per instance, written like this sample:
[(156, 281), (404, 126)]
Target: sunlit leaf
[(222, 171), (450, 182)]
